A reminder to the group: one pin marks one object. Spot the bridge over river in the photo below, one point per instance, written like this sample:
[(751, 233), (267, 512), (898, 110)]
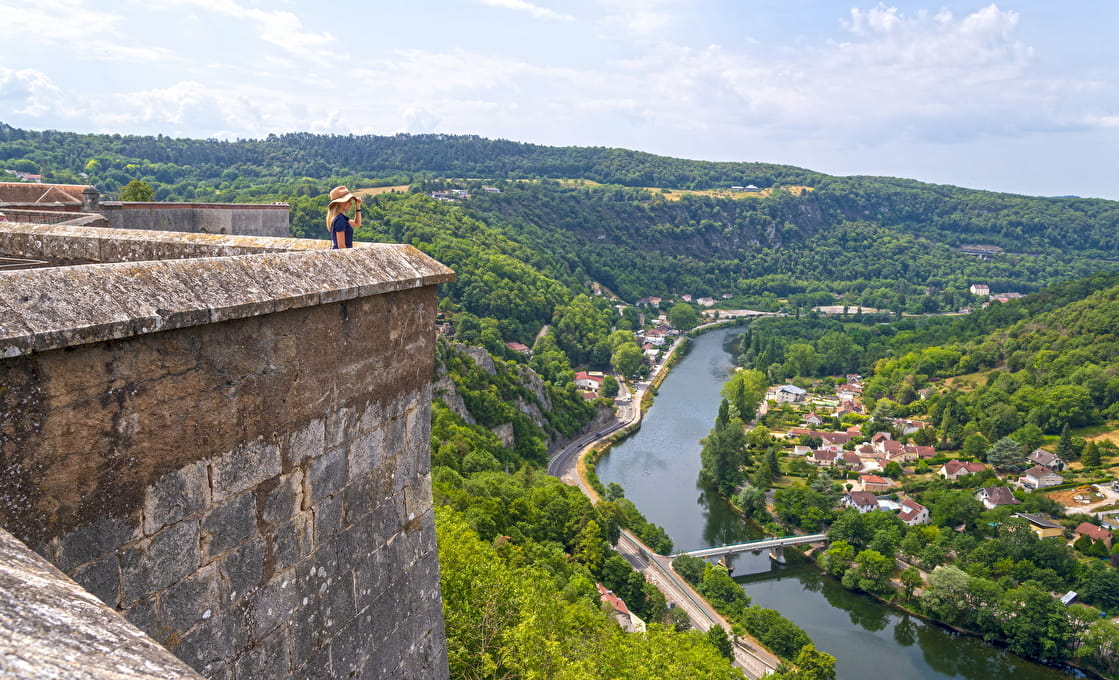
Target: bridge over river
[(776, 546)]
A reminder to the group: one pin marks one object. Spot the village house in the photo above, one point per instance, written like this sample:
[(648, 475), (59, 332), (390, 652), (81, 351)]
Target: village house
[(1049, 461), (813, 420), (980, 289), (913, 513), (706, 302), (630, 622), (788, 394), (851, 461), (876, 484), (1038, 477), (823, 458), (863, 501), (848, 392), (954, 469), (518, 348), (994, 496), (589, 380), (907, 426), (1095, 533), (1043, 526)]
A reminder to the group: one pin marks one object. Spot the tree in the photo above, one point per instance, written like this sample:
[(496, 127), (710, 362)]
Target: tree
[(1091, 457), (137, 190), (1065, 450), (678, 619), (723, 452), (717, 637), (751, 500), (683, 316), (838, 558), (627, 358), (910, 580), (870, 572), (1006, 454), (745, 389), (810, 665), (609, 387), (1034, 623)]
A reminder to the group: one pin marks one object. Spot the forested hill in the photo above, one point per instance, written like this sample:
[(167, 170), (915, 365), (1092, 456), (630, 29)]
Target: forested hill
[(295, 155), (632, 221)]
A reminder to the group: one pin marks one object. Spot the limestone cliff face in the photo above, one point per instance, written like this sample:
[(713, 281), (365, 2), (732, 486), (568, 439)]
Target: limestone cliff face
[(532, 396)]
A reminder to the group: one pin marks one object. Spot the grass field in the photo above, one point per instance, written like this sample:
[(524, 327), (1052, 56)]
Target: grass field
[(373, 191)]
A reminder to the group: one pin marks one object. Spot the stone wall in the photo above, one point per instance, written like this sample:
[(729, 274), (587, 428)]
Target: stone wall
[(212, 218), (38, 602), (231, 451)]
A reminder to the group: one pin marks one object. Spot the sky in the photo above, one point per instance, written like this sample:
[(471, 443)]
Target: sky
[(1020, 96)]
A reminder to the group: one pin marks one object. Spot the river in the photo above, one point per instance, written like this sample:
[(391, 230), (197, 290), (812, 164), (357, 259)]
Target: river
[(659, 468)]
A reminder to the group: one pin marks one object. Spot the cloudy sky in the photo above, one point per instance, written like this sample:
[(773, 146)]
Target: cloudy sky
[(1019, 96)]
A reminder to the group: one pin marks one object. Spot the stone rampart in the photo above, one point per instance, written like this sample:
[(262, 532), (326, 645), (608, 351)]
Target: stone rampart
[(231, 450), (213, 218)]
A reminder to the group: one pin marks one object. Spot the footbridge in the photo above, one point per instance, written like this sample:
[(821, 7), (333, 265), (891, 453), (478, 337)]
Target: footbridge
[(776, 546)]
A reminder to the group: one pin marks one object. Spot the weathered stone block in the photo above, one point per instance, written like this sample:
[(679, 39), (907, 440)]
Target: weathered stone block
[(341, 426), (229, 525), (95, 541), (242, 571), (305, 443), (365, 453), (102, 578), (285, 500), (189, 602), (292, 542), (328, 518), (268, 658), (176, 495), (207, 648), (417, 498), (245, 467), (327, 475), (273, 604), (153, 564)]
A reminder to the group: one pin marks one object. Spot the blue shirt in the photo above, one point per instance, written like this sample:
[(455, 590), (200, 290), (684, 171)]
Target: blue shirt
[(341, 225)]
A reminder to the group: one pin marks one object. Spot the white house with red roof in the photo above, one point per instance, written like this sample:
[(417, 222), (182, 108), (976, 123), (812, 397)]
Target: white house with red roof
[(589, 380), (863, 501), (913, 513), (955, 469)]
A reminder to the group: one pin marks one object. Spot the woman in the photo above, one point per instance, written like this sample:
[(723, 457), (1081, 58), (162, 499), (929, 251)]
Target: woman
[(337, 224)]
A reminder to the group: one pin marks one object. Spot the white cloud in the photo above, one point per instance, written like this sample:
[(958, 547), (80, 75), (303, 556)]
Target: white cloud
[(28, 92), (523, 6), (279, 28), (639, 18)]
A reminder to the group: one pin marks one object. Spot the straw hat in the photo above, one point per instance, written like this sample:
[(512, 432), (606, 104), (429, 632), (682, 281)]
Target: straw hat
[(342, 195)]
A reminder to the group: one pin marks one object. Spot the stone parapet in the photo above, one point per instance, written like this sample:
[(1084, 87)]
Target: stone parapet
[(140, 290), (50, 627)]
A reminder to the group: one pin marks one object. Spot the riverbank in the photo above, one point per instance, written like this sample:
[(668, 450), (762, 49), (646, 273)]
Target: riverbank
[(750, 655)]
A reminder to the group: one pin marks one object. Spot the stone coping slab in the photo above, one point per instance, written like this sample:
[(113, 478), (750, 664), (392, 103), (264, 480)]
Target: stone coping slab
[(148, 281), (50, 627)]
